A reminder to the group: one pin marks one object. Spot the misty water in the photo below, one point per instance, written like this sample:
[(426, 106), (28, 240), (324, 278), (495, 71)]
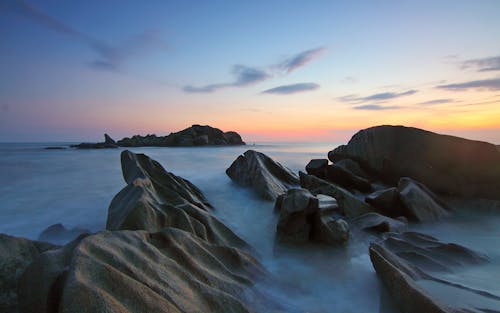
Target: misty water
[(40, 187)]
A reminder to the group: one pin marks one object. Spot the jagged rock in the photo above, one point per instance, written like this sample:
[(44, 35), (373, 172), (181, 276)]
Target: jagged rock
[(108, 140), (446, 164), (155, 198), (386, 201), (420, 204), (107, 144), (59, 234), (137, 271), (348, 203), (403, 261), (307, 218), (346, 179), (16, 254), (266, 176), (196, 135), (317, 167), (378, 223)]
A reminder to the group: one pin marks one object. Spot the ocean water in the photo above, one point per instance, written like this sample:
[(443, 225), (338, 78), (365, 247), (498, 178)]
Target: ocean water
[(41, 187)]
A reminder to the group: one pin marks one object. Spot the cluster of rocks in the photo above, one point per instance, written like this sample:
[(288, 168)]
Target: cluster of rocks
[(196, 135), (163, 251)]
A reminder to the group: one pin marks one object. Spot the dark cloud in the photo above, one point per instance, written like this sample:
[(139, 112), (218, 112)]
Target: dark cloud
[(300, 59), (376, 97), (489, 84), (437, 101), (109, 57), (376, 107), (483, 65), (294, 88), (244, 76)]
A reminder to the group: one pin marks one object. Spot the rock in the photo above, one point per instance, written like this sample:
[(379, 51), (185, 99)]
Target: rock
[(404, 261), (196, 135), (303, 219), (327, 204), (317, 167), (353, 167), (346, 179), (138, 271), (446, 164), (266, 176), (55, 148), (59, 234), (386, 201), (155, 198), (419, 203), (378, 223), (16, 254), (108, 143), (348, 203)]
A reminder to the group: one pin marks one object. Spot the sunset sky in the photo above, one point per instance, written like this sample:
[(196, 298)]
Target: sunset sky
[(270, 70)]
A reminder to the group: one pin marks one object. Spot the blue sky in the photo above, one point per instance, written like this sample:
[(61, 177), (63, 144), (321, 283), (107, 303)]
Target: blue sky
[(272, 70)]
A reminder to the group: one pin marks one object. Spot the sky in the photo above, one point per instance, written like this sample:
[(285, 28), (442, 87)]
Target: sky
[(270, 70)]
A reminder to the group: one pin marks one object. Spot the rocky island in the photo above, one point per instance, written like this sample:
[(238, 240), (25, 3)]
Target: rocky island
[(196, 135)]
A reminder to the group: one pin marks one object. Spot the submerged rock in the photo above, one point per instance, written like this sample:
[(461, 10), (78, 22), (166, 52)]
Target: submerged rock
[(378, 223), (16, 254), (403, 261), (348, 203), (419, 203), (307, 218), (59, 234), (266, 176), (446, 164)]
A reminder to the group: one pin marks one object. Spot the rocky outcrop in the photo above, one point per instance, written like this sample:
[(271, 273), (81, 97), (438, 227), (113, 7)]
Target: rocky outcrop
[(346, 179), (419, 203), (138, 271), (196, 135), (16, 254), (266, 176), (108, 143), (404, 261), (377, 223), (348, 203), (307, 218), (155, 198), (59, 234), (446, 164)]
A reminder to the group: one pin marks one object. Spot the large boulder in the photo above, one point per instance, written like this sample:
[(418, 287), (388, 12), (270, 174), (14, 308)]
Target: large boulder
[(308, 218), (419, 203), (409, 263), (155, 198), (346, 179), (446, 164), (138, 271), (16, 254), (317, 167), (349, 204), (266, 176)]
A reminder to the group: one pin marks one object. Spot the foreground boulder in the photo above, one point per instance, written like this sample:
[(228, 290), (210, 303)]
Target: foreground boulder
[(409, 262), (419, 203), (196, 135), (16, 254), (446, 164), (266, 176), (307, 218), (155, 198), (349, 204), (138, 271)]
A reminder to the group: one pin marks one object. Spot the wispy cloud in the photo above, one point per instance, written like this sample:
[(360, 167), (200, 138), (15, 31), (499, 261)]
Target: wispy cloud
[(293, 88), (437, 101), (376, 107), (383, 96), (300, 59), (109, 57), (244, 76), (488, 84), (483, 65)]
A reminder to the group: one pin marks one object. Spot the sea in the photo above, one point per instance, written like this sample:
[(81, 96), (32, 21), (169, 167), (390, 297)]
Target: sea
[(40, 187)]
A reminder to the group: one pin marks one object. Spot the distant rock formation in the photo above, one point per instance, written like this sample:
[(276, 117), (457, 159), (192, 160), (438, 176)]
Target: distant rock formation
[(446, 164), (196, 135), (107, 144), (266, 176)]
